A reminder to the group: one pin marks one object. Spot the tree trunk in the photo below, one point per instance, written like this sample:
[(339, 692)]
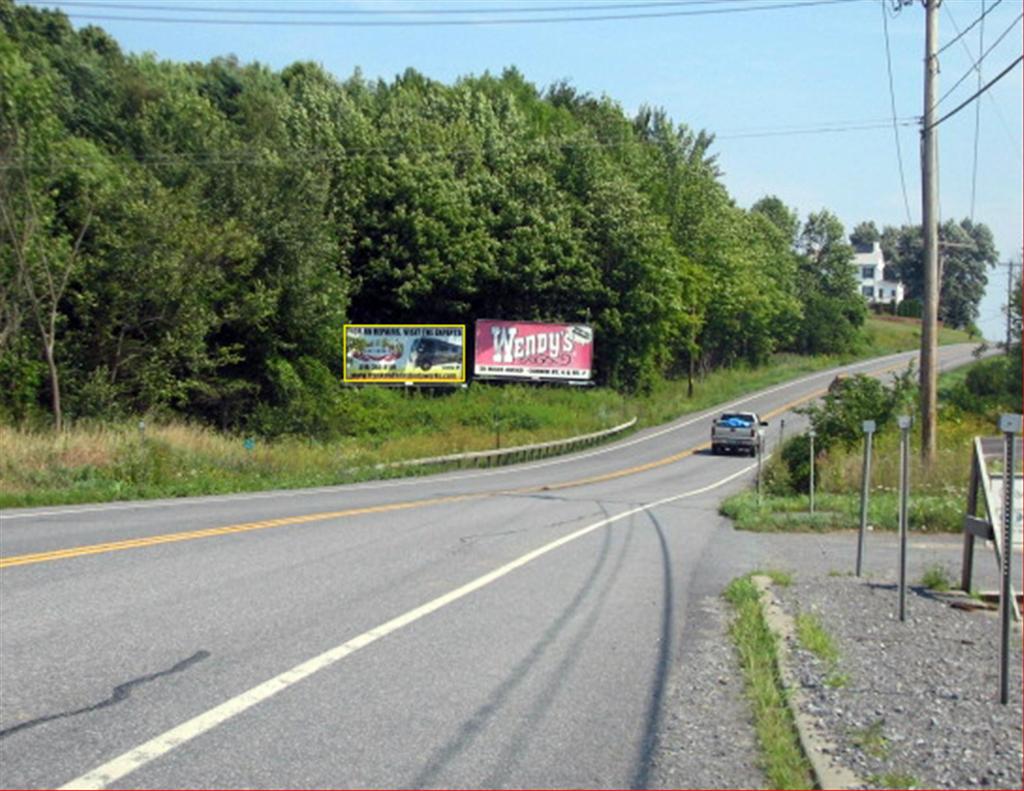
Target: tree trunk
[(58, 420)]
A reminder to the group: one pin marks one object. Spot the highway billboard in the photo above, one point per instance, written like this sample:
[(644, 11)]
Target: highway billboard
[(533, 350), (400, 353)]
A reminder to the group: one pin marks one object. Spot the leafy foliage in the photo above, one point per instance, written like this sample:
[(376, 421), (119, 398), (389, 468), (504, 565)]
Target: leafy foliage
[(967, 252), (209, 228)]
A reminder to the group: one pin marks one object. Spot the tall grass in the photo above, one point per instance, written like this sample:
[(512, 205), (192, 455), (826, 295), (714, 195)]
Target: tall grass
[(92, 462), (938, 492)]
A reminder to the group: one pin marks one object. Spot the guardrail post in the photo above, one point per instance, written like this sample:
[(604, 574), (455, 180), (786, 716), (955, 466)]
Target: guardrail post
[(865, 486), (1011, 427), (904, 422)]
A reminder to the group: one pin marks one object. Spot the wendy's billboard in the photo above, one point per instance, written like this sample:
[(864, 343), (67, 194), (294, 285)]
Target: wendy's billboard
[(533, 350)]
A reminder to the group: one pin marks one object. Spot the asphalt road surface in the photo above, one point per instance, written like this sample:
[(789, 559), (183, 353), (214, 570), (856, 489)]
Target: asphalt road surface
[(512, 627)]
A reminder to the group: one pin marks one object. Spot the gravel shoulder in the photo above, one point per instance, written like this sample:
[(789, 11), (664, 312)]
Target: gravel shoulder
[(918, 705)]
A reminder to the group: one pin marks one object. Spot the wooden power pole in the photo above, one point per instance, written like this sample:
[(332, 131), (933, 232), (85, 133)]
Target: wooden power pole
[(930, 220)]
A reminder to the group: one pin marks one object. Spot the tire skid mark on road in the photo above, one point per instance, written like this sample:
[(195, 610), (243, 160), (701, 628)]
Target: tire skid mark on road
[(128, 762)]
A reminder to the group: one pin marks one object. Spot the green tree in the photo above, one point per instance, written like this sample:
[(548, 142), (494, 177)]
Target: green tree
[(865, 234), (834, 310), (967, 252)]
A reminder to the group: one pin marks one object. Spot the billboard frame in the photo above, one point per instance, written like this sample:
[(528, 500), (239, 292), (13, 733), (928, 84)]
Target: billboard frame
[(533, 378), (402, 380)]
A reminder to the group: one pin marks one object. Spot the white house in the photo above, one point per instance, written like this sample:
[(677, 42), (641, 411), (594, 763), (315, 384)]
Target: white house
[(870, 265)]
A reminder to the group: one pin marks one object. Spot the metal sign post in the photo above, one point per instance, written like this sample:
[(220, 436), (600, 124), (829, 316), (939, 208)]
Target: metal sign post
[(865, 485), (760, 462), (1011, 427), (904, 422), (782, 431), (812, 435)]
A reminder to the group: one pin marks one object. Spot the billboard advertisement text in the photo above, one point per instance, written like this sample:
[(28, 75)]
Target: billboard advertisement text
[(533, 350), (398, 353)]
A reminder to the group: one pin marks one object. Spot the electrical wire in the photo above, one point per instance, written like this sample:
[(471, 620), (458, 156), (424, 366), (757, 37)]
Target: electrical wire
[(310, 156), (411, 11), (1014, 143), (460, 22), (977, 115), (966, 30), (892, 104), (977, 63), (977, 93)]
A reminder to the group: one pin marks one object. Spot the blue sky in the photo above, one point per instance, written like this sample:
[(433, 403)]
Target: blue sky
[(759, 80)]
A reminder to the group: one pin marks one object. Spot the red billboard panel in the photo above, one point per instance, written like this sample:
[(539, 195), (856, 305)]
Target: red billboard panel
[(533, 350)]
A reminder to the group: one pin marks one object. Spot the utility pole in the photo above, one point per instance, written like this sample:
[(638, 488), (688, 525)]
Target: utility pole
[(1009, 300), (929, 219)]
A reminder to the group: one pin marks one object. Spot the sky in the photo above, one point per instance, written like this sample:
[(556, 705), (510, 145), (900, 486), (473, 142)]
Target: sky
[(798, 97)]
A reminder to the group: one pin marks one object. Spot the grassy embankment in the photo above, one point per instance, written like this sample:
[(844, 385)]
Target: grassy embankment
[(937, 494), (93, 462)]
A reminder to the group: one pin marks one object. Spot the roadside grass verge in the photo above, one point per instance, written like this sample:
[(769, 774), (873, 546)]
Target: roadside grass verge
[(97, 462), (938, 494), (926, 513), (782, 758)]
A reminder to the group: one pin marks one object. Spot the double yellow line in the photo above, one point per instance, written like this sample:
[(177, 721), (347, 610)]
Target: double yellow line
[(245, 527)]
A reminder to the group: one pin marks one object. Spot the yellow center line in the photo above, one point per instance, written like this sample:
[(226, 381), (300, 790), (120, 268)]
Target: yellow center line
[(167, 538)]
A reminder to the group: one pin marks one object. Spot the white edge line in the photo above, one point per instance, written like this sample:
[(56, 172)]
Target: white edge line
[(117, 768), (413, 480)]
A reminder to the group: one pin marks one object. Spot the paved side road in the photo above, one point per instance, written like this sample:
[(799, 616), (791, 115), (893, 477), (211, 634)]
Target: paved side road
[(919, 705)]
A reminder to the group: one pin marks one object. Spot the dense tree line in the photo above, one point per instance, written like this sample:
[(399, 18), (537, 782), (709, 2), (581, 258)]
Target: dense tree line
[(191, 237)]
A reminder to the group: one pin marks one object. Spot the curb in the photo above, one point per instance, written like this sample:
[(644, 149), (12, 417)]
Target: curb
[(819, 751)]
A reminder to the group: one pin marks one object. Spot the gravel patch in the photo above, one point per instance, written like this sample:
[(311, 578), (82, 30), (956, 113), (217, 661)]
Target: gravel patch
[(706, 738), (918, 701)]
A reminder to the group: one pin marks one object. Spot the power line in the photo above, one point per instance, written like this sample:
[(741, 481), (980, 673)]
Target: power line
[(995, 105), (460, 22), (892, 104), (411, 11), (977, 116), (311, 156), (979, 92), (966, 30), (977, 63)]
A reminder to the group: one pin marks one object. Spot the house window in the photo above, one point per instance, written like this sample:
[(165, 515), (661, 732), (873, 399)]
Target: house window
[(867, 273), (867, 291)]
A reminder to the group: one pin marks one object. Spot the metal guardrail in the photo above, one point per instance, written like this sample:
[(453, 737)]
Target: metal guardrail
[(521, 452)]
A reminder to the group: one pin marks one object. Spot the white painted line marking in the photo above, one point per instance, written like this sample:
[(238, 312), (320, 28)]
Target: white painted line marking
[(4, 517), (115, 769)]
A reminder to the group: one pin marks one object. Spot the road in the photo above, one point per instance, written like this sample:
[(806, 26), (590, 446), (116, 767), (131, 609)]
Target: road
[(512, 627)]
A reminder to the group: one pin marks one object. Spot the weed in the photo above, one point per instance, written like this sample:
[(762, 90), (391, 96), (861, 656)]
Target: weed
[(872, 741), (837, 680), (781, 578), (894, 780), (937, 578), (814, 638)]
